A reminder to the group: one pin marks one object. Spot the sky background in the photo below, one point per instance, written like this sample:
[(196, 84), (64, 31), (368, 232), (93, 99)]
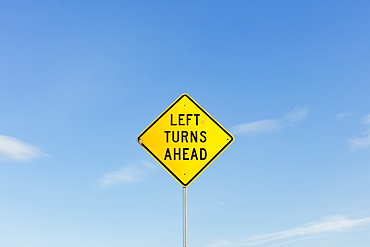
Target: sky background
[(80, 80)]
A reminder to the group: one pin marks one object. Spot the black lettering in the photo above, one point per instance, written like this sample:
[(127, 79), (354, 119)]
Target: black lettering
[(167, 132), (196, 118), (178, 154), (168, 154), (203, 134), (171, 121), (194, 154), (203, 154), (194, 136), (173, 136), (180, 119), (185, 153), (184, 136), (188, 118)]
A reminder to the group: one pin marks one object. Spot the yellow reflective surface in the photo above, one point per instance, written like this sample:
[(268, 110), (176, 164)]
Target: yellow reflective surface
[(185, 139)]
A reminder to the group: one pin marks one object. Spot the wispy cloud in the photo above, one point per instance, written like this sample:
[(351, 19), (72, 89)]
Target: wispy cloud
[(126, 175), (343, 115), (290, 241), (329, 224), (14, 149), (222, 206), (363, 141), (264, 126)]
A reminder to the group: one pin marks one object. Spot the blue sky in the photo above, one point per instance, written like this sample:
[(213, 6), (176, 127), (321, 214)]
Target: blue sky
[(80, 80)]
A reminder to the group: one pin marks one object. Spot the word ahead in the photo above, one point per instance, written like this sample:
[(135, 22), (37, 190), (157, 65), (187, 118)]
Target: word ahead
[(185, 139)]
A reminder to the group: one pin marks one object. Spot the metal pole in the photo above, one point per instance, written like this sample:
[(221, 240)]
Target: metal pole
[(185, 214)]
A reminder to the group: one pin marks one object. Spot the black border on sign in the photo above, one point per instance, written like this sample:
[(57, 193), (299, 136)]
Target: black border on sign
[(208, 163)]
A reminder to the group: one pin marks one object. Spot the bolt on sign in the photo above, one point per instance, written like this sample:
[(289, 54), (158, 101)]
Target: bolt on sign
[(185, 139)]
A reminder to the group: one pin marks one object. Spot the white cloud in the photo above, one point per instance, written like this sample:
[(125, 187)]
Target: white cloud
[(288, 242), (364, 141), (366, 119), (360, 142), (329, 224), (129, 174), (222, 206), (220, 243), (15, 149), (343, 115), (270, 125), (257, 127), (295, 116)]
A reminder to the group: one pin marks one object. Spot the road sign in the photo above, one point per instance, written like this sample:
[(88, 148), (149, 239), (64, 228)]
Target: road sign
[(185, 139)]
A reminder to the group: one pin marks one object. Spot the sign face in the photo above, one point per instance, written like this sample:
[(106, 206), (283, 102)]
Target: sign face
[(185, 139)]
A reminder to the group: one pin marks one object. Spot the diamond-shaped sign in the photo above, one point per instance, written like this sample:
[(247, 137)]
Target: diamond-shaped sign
[(185, 139)]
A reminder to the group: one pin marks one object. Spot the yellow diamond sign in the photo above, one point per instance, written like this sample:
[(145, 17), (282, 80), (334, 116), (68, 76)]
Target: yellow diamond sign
[(185, 139)]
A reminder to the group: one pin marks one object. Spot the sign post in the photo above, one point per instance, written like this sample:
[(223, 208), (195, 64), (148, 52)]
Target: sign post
[(185, 214), (185, 139)]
